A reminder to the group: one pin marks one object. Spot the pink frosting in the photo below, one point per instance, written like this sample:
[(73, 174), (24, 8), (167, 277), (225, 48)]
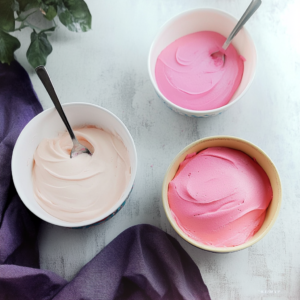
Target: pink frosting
[(219, 196), (84, 187), (191, 78)]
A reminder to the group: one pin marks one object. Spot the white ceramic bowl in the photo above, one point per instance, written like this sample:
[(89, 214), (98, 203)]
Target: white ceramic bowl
[(253, 151), (48, 125), (200, 20)]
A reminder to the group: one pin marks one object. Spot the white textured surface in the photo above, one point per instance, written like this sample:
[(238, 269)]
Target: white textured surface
[(108, 66)]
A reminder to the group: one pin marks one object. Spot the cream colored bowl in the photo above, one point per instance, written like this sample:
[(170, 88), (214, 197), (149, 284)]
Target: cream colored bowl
[(253, 151)]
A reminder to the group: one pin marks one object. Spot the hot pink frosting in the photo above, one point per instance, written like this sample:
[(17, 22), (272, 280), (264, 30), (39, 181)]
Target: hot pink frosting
[(191, 78), (219, 196)]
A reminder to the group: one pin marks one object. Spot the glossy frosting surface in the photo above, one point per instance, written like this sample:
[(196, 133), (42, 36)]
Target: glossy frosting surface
[(85, 186), (188, 76), (219, 196)]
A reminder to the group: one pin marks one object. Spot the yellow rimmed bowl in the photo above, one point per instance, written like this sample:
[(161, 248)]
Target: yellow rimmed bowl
[(251, 150)]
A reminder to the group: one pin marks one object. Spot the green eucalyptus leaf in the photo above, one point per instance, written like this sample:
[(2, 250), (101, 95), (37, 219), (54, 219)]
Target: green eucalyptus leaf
[(7, 19), (48, 29), (19, 18), (39, 49), (50, 2), (8, 45), (74, 14), (25, 5), (49, 12), (15, 6), (43, 6)]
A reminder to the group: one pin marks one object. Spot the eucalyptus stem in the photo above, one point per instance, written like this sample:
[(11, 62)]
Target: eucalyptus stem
[(21, 27)]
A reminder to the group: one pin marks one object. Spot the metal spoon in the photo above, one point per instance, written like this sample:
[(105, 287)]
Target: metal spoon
[(44, 77), (254, 5)]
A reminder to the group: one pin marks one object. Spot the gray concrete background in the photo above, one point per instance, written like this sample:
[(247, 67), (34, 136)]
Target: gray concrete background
[(107, 66)]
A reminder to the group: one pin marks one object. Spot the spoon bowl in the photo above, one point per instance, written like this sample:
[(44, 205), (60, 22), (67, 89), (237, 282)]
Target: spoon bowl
[(254, 5), (78, 149)]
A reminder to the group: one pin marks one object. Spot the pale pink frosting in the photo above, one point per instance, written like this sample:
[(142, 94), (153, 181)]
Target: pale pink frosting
[(85, 186), (187, 74), (219, 196)]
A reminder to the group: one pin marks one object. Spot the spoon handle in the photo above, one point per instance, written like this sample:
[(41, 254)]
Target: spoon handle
[(254, 5), (45, 79)]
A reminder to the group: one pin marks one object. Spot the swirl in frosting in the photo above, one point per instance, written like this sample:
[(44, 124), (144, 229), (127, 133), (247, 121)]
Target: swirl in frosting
[(187, 74), (219, 196), (84, 187)]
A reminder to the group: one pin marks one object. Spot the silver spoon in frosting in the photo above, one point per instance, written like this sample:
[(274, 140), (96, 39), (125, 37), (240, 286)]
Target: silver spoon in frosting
[(254, 5), (45, 79)]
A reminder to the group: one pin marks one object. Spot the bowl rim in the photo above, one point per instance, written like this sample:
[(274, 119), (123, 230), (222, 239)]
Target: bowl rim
[(62, 223), (199, 245), (182, 109)]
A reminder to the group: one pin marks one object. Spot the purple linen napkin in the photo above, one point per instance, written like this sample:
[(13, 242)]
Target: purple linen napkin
[(143, 262), (18, 105)]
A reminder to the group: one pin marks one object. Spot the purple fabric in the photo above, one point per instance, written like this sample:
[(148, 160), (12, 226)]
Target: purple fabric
[(143, 262)]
